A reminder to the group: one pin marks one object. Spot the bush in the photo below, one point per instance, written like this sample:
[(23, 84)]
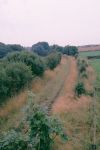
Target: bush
[(84, 75), (53, 60), (32, 60), (44, 129), (13, 77), (80, 89), (82, 65)]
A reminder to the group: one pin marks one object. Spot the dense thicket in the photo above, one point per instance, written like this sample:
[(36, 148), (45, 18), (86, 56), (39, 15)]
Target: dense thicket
[(32, 60), (5, 49), (13, 77), (41, 48), (53, 60)]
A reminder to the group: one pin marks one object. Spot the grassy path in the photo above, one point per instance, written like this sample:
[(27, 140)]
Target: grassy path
[(64, 101), (74, 112)]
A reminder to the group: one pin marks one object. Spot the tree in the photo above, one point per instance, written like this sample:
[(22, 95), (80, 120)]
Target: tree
[(5, 49), (70, 50), (41, 48)]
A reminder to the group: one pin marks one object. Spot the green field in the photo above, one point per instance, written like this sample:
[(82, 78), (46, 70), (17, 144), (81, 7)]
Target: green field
[(96, 66), (95, 63), (90, 53)]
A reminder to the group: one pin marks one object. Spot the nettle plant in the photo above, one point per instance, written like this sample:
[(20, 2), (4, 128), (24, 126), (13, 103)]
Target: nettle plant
[(40, 133)]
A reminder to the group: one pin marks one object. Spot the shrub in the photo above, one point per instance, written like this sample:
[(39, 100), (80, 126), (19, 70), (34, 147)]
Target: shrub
[(82, 65), (53, 60), (44, 129), (80, 89), (13, 77), (84, 75), (32, 60)]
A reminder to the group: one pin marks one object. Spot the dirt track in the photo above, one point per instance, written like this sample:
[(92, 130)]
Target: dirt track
[(66, 100)]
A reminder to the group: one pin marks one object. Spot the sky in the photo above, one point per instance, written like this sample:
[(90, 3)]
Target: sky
[(63, 22)]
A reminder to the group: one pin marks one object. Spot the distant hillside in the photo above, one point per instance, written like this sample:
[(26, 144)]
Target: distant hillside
[(89, 48)]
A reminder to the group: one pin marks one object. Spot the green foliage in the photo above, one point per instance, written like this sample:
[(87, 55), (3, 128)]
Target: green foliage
[(84, 75), (41, 132), (80, 89), (14, 141), (70, 50), (5, 49), (41, 48), (53, 60), (82, 66), (13, 77), (57, 48), (45, 128), (32, 60)]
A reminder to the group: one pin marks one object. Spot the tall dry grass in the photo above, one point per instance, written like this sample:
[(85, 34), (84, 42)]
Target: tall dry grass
[(14, 104)]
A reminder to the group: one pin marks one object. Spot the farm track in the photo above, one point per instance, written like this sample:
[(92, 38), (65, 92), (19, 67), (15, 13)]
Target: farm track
[(48, 104), (64, 101), (68, 107)]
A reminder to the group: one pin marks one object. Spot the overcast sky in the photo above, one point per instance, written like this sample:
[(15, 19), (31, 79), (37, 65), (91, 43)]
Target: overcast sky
[(73, 22)]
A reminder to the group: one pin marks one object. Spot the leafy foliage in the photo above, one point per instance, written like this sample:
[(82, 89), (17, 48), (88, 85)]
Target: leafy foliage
[(14, 141), (53, 60), (41, 132), (70, 50), (13, 77), (32, 60), (80, 89), (41, 48), (5, 49), (82, 68)]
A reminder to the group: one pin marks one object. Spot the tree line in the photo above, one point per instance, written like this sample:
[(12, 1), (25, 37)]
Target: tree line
[(40, 48)]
